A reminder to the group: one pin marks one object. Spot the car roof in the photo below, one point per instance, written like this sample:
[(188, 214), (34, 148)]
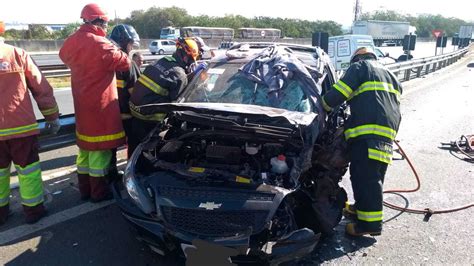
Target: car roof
[(308, 54)]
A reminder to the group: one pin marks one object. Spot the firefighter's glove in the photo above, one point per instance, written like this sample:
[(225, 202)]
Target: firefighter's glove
[(52, 127), (199, 67)]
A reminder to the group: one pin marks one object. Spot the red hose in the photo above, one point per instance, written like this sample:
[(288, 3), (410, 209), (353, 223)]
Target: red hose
[(426, 211)]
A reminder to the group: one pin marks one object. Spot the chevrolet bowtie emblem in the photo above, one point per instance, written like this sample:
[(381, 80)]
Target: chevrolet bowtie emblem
[(210, 206)]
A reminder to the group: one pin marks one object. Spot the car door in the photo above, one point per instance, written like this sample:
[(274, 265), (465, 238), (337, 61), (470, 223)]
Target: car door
[(171, 47)]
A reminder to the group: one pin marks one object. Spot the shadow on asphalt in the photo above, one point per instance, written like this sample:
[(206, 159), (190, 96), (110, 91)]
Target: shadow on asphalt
[(55, 163), (336, 246)]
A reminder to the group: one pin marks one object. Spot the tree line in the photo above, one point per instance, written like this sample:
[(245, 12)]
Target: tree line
[(148, 24), (424, 23)]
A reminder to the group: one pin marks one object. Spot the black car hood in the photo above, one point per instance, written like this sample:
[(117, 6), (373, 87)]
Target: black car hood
[(294, 118)]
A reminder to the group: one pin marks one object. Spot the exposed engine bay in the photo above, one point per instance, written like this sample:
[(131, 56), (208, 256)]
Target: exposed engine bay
[(221, 155)]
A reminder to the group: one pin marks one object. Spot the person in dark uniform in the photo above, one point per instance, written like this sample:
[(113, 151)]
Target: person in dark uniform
[(160, 82), (373, 94), (127, 39)]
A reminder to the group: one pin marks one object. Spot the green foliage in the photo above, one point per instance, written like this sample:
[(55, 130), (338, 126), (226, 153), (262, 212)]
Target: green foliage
[(424, 23), (67, 31), (149, 23)]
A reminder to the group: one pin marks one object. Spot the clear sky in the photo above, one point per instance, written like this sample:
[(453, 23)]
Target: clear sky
[(341, 11)]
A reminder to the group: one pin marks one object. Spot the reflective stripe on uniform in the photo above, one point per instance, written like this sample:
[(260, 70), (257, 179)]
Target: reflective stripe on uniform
[(154, 117), (33, 201), (121, 83), (103, 138), (50, 111), (370, 129), (4, 186), (29, 169), (150, 84), (18, 130), (325, 105), (380, 156), (82, 170), (31, 184), (370, 216), (343, 88), (98, 172), (94, 163), (5, 172), (376, 86)]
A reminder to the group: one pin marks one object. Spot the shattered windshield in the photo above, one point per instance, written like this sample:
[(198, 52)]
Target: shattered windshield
[(225, 84)]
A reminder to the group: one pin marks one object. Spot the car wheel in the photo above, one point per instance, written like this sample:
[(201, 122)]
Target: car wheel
[(161, 52), (153, 53)]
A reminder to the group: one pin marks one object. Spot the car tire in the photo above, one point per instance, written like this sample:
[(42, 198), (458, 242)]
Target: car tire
[(153, 53), (160, 52)]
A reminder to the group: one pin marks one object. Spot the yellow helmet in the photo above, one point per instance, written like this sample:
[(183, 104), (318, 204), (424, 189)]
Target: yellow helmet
[(189, 46), (366, 50)]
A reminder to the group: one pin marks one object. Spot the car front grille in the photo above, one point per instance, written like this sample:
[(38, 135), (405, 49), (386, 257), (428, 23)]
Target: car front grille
[(214, 223), (222, 195)]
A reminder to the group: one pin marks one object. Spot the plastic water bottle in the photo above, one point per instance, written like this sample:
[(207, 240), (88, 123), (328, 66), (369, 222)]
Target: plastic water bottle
[(279, 165)]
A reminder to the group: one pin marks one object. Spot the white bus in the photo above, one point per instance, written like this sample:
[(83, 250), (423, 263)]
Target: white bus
[(207, 32)]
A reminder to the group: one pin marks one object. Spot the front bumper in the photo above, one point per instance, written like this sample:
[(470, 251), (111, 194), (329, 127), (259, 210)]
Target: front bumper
[(164, 241)]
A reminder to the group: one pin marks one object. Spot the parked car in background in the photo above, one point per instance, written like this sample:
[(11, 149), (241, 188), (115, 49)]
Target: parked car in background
[(162, 47), (239, 163), (384, 58)]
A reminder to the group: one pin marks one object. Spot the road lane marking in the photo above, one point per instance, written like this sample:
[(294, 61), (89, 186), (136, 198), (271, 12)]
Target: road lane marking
[(48, 221)]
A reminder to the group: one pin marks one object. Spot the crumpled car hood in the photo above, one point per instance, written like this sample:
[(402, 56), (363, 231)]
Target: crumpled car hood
[(294, 118)]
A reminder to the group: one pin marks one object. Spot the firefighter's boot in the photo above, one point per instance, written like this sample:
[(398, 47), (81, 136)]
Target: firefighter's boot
[(353, 229), (84, 186), (4, 212), (34, 214), (100, 189), (350, 211)]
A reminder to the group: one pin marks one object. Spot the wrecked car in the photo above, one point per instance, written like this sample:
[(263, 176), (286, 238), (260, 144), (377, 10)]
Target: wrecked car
[(246, 159)]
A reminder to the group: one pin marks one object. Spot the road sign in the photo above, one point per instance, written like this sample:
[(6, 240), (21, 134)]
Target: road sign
[(262, 33), (437, 33)]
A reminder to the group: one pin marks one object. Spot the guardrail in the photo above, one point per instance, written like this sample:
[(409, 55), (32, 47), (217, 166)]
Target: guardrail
[(416, 68), (58, 71)]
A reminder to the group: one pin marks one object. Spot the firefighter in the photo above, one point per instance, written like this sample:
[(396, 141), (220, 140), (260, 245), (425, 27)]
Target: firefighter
[(161, 82), (373, 94), (18, 128), (126, 38), (93, 60)]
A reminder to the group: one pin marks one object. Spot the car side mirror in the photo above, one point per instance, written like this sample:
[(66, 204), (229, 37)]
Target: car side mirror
[(387, 54)]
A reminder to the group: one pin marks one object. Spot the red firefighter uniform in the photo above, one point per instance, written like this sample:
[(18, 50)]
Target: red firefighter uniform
[(93, 60), (19, 129)]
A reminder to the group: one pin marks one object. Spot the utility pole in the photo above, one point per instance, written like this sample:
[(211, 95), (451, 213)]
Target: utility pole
[(357, 10)]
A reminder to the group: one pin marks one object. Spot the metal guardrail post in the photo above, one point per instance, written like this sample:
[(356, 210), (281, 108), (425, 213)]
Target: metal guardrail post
[(407, 75), (418, 72)]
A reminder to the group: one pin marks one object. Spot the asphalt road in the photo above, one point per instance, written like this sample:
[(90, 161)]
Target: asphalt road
[(437, 108)]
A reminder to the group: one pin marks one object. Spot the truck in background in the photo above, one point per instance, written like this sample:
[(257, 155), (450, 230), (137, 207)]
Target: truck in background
[(169, 33), (388, 32)]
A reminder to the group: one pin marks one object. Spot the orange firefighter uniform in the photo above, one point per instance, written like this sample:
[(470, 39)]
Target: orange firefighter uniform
[(93, 60), (18, 128)]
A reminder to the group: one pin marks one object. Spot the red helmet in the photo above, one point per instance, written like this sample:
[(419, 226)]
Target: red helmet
[(92, 12), (2, 27)]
